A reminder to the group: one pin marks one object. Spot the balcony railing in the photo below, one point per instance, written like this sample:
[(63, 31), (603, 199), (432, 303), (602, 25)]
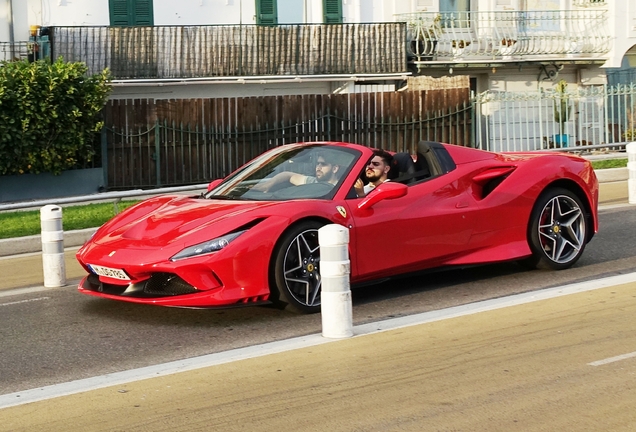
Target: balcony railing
[(163, 52), (506, 35)]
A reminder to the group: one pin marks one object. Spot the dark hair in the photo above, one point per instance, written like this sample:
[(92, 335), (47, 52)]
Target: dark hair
[(385, 155)]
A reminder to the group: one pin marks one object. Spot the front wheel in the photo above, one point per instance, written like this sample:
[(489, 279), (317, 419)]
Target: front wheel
[(558, 230), (296, 269)]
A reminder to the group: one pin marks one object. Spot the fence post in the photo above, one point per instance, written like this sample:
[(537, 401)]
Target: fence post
[(335, 305), (631, 168), (158, 153), (52, 246), (104, 150)]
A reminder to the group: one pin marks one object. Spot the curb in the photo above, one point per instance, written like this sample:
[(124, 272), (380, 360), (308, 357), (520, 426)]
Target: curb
[(31, 244), (612, 175)]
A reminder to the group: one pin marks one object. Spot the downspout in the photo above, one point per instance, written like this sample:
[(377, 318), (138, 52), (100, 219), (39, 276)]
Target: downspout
[(10, 14)]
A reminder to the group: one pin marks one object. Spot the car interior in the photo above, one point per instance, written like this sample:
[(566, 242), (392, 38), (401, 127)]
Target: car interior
[(432, 160)]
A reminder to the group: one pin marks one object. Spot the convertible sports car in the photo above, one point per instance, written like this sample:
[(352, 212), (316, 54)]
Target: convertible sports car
[(252, 238)]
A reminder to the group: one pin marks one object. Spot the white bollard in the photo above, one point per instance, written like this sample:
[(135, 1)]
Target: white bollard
[(631, 168), (52, 246), (336, 309)]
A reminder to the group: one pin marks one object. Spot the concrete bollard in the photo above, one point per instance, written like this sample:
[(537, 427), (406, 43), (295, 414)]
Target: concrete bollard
[(52, 246), (336, 309), (631, 168)]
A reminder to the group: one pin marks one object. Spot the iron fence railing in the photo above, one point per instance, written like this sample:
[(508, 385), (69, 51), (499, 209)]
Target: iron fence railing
[(165, 52), (527, 121), (505, 35), (169, 154)]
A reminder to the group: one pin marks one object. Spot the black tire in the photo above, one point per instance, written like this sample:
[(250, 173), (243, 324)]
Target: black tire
[(558, 230), (295, 282)]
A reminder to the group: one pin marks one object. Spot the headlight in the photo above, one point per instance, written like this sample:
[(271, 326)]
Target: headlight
[(207, 247)]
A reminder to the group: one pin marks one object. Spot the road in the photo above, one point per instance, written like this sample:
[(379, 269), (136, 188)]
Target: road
[(564, 363), (465, 365), (47, 334)]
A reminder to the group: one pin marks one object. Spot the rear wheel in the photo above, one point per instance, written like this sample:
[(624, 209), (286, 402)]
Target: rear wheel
[(558, 230), (296, 265)]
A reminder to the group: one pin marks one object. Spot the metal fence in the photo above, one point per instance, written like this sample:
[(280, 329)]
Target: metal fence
[(507, 34), (527, 121), (168, 154)]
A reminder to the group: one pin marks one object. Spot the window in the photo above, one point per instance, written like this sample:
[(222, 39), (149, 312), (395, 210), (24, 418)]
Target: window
[(131, 12), (454, 5), (266, 13), (456, 13)]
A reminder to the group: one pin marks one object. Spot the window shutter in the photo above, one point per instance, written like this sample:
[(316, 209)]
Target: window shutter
[(266, 12), (332, 11), (119, 13), (143, 12), (131, 12)]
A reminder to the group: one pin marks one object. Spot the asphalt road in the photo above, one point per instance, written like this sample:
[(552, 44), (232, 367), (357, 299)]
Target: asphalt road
[(564, 363)]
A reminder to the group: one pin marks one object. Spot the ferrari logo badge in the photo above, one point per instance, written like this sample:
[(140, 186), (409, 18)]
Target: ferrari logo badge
[(342, 211), (112, 253), (556, 230)]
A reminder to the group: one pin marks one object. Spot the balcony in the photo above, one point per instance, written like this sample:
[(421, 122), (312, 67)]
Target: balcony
[(193, 52), (23, 50), (482, 37)]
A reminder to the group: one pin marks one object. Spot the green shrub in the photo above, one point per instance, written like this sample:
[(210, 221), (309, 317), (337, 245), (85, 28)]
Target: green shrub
[(49, 113)]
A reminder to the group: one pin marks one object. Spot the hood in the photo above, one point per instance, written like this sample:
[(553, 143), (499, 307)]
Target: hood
[(159, 221)]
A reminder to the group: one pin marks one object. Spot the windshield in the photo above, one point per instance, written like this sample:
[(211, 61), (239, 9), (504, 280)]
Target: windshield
[(295, 171)]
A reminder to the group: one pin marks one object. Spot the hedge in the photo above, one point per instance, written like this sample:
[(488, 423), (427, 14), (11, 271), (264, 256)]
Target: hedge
[(49, 113)]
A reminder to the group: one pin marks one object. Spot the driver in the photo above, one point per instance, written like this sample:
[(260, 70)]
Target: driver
[(327, 171)]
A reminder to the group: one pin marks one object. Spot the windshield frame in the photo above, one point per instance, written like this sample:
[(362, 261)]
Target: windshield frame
[(239, 184)]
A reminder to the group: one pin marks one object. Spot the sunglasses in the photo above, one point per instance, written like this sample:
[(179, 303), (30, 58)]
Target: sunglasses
[(322, 163)]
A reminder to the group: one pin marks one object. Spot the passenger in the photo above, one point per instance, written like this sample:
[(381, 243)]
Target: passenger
[(327, 171), (376, 172)]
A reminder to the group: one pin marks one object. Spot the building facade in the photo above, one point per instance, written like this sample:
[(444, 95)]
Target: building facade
[(503, 45)]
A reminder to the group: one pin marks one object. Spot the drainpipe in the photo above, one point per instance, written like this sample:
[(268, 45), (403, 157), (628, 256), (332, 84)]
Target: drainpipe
[(10, 14)]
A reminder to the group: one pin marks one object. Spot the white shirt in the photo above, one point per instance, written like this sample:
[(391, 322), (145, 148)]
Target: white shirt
[(370, 186)]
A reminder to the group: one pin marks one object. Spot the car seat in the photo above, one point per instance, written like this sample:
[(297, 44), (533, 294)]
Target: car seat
[(403, 168)]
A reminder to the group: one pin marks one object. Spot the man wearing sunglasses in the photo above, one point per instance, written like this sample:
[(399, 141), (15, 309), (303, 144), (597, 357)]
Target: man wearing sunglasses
[(376, 172)]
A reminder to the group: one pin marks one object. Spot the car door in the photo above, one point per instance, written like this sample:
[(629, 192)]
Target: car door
[(423, 229)]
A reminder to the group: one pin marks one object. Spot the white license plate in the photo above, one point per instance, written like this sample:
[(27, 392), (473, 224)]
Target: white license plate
[(109, 272)]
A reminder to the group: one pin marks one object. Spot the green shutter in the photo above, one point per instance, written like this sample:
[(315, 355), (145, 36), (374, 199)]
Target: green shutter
[(143, 12), (119, 15), (332, 11), (131, 12), (266, 13)]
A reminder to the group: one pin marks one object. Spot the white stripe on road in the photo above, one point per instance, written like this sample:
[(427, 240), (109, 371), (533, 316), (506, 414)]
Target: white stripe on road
[(613, 359), (118, 378), (28, 290), (24, 301)]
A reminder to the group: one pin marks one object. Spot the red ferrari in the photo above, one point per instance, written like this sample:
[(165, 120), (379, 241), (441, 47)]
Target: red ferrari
[(253, 237)]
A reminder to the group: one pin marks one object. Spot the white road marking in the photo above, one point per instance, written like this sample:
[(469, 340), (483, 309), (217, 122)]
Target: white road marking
[(24, 301), (119, 378), (613, 359), (29, 290)]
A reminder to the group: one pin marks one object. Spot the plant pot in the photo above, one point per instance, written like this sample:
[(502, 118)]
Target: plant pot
[(560, 140)]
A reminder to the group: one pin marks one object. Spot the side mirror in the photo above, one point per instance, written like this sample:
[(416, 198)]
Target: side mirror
[(387, 190), (214, 183)]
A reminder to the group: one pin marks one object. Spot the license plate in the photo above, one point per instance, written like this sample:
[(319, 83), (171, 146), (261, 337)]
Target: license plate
[(109, 272)]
